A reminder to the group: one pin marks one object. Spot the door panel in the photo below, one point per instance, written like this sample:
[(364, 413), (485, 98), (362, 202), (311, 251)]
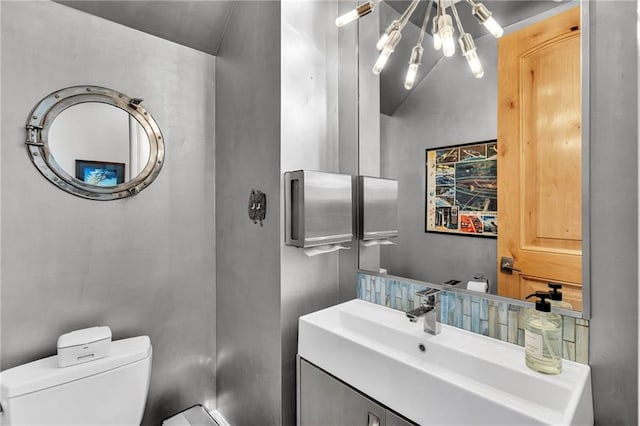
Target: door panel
[(539, 156)]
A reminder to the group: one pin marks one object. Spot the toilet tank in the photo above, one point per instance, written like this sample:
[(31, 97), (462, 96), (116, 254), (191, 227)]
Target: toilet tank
[(109, 391)]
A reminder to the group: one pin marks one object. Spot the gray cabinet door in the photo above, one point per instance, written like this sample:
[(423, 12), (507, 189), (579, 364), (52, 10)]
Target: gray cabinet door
[(325, 401), (395, 420)]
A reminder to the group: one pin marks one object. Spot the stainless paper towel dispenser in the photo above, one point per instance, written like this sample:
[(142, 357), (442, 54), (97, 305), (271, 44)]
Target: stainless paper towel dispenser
[(378, 208), (318, 208)]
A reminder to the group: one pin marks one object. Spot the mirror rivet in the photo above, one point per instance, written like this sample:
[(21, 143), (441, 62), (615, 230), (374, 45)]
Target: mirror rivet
[(35, 117), (57, 96), (159, 136), (88, 89), (35, 154), (145, 113)]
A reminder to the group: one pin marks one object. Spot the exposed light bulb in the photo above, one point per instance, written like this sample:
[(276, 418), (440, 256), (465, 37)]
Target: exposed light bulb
[(382, 59), (414, 63), (445, 29), (437, 41), (474, 64), (493, 27), (383, 40), (411, 76), (360, 11), (347, 18), (387, 50), (483, 15), (469, 52)]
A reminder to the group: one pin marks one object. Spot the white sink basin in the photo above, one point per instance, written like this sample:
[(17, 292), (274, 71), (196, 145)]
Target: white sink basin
[(461, 378)]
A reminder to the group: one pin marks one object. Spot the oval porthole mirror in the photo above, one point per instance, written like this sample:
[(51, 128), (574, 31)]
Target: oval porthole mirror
[(94, 142)]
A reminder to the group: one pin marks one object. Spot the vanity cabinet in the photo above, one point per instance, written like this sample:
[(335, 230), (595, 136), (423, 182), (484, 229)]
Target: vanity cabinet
[(325, 401)]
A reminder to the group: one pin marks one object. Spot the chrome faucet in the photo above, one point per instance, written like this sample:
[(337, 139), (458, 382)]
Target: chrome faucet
[(430, 310)]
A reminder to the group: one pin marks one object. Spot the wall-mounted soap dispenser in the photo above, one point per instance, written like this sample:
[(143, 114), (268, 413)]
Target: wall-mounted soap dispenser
[(318, 208), (378, 208)]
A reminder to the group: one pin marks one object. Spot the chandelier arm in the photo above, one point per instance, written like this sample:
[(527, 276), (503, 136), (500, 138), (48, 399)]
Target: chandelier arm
[(404, 18), (425, 22), (455, 15)]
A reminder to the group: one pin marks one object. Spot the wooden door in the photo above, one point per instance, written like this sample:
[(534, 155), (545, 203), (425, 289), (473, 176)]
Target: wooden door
[(539, 157)]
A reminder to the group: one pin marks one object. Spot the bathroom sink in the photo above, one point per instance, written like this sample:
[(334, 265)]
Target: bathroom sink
[(455, 377)]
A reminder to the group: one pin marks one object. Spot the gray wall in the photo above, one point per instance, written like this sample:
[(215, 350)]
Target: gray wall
[(448, 107), (309, 140), (143, 265), (248, 255), (614, 212)]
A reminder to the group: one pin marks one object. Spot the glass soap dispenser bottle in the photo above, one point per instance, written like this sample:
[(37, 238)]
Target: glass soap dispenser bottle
[(555, 297), (543, 336)]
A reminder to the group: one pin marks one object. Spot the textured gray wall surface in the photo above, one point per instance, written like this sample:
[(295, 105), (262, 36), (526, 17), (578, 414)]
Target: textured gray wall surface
[(614, 212), (448, 107), (309, 141), (248, 255), (144, 265)]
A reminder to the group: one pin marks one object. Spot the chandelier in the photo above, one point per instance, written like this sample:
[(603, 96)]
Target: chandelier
[(442, 31)]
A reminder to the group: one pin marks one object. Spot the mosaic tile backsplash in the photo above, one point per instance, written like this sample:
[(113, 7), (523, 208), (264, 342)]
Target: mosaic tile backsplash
[(497, 319)]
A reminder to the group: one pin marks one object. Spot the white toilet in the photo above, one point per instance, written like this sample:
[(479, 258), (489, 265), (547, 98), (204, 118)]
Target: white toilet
[(109, 391)]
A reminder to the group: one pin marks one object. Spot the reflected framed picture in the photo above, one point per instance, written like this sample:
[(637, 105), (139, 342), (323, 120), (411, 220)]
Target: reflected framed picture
[(100, 173), (462, 189)]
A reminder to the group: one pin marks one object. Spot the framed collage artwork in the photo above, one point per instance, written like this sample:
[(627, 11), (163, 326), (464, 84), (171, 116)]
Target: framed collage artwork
[(462, 188)]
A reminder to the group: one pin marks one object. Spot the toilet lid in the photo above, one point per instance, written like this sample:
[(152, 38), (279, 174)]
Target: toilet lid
[(45, 373)]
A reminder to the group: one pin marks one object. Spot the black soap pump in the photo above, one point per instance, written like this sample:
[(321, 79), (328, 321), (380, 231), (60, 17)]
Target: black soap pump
[(555, 297), (543, 336)]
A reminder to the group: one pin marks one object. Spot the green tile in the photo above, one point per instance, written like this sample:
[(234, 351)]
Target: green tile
[(582, 322), (484, 309), (582, 344), (568, 350), (502, 313), (493, 321), (484, 327), (512, 326), (466, 322), (502, 332), (466, 306), (568, 329), (522, 316)]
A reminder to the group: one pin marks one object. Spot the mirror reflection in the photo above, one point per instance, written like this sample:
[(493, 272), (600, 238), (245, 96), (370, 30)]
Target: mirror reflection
[(529, 100), (99, 144)]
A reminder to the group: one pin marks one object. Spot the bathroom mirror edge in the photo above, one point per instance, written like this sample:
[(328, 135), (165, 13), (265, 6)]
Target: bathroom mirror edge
[(585, 313), (586, 149)]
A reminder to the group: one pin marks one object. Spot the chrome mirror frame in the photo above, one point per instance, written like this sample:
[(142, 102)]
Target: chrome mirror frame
[(45, 112)]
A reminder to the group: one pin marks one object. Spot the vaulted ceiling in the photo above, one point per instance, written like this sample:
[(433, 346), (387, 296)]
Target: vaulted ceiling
[(196, 24), (201, 24)]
